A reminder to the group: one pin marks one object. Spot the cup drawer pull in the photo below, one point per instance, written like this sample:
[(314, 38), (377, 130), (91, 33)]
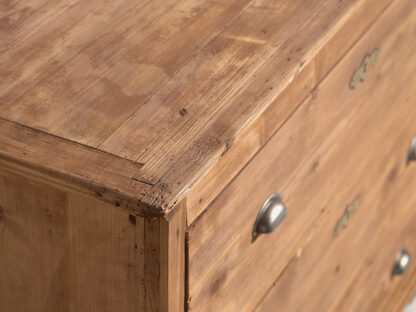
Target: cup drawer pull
[(271, 214), (412, 151), (402, 263)]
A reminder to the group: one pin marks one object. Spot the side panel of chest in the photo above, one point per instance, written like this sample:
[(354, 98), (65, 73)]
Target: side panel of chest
[(63, 251)]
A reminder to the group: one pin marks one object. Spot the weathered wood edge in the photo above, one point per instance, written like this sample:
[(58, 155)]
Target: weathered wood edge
[(148, 203), (165, 261), (320, 59), (65, 164), (78, 185)]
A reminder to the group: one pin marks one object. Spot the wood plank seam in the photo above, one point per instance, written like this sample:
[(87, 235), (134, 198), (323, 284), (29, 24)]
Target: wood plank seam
[(20, 154), (75, 143), (289, 263)]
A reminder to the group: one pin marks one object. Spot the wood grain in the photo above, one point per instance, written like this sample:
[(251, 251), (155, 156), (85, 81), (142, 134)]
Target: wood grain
[(242, 148), (124, 122), (180, 158), (165, 263), (51, 159), (310, 151), (62, 252), (173, 260), (82, 68), (353, 273), (170, 85), (354, 270), (398, 293)]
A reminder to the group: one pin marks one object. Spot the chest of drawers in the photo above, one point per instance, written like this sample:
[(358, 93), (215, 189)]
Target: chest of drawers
[(236, 155)]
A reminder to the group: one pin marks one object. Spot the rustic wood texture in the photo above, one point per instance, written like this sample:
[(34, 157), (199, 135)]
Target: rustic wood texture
[(173, 260), (399, 293), (165, 243), (299, 162), (235, 77), (95, 173), (63, 251), (354, 270), (169, 85), (82, 68), (126, 121), (241, 149)]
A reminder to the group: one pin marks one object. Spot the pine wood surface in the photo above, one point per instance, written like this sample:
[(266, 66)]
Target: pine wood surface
[(246, 145), (169, 85), (165, 262), (99, 174), (352, 131), (64, 251), (353, 270), (128, 121)]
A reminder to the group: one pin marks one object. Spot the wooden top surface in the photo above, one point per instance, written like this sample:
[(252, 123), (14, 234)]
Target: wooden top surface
[(151, 91)]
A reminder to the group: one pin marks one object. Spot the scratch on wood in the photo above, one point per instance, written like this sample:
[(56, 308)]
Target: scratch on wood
[(247, 39), (142, 181), (202, 149), (228, 144), (345, 219)]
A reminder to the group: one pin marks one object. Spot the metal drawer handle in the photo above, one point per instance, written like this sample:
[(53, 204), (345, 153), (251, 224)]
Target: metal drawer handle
[(402, 263), (412, 151), (271, 214)]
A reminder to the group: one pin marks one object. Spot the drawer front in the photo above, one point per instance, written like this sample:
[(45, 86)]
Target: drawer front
[(307, 161), (352, 265)]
